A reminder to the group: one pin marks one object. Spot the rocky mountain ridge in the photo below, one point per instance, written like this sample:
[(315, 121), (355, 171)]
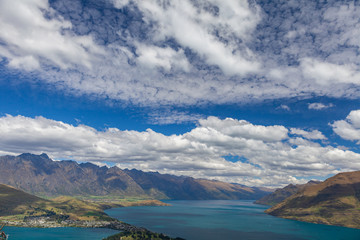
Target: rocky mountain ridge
[(39, 175)]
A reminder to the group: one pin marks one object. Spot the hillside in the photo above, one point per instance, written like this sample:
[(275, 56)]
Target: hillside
[(14, 201), (39, 175), (19, 205), (18, 208), (281, 194), (335, 201)]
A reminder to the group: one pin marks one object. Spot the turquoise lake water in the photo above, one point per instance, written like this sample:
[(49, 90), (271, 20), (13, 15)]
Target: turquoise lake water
[(16, 233), (199, 220), (226, 220)]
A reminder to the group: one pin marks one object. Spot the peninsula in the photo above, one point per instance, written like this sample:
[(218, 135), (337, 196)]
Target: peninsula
[(21, 209)]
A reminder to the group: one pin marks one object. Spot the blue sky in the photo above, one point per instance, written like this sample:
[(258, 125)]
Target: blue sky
[(262, 93)]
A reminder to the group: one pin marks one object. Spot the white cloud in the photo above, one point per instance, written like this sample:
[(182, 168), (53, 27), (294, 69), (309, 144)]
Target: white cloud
[(244, 129), (319, 106), (33, 34), (272, 157), (184, 52), (196, 26), (349, 128), (166, 58), (313, 135), (354, 118), (325, 73), (343, 16)]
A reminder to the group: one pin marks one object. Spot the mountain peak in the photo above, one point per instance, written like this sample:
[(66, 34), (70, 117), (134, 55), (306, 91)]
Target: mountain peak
[(44, 155), (32, 156), (25, 155)]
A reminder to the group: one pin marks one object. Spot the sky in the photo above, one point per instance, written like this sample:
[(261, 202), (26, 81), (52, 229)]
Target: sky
[(256, 92)]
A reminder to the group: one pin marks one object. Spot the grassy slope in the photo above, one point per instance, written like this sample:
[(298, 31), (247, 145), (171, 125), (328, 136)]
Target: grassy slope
[(16, 204), (13, 201), (336, 201)]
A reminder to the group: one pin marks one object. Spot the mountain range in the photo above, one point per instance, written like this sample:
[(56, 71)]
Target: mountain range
[(336, 201), (41, 176)]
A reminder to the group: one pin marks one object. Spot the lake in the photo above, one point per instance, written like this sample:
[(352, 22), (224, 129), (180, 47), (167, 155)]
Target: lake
[(199, 220), (17, 233), (219, 220)]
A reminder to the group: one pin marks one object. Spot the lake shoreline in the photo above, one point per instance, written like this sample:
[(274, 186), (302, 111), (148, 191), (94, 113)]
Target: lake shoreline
[(113, 224)]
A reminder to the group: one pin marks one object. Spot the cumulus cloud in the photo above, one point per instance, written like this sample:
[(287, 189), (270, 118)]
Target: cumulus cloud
[(319, 106), (244, 129), (273, 157), (314, 134), (349, 128)]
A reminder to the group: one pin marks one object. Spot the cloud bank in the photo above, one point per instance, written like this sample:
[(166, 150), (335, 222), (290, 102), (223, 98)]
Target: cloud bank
[(349, 128), (184, 52), (268, 155)]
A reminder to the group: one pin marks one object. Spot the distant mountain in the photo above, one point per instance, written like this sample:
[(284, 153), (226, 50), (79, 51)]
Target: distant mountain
[(335, 201), (281, 194), (189, 188), (39, 175)]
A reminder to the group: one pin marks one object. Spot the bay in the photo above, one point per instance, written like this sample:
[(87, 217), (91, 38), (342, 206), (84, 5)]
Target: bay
[(19, 233), (218, 220)]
